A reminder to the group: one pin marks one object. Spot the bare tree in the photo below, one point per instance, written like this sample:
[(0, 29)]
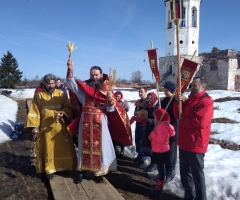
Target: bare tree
[(136, 77), (121, 80)]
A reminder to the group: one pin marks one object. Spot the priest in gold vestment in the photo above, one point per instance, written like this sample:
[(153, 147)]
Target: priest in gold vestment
[(49, 115)]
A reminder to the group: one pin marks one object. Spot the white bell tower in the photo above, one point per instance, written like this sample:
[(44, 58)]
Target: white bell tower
[(188, 29)]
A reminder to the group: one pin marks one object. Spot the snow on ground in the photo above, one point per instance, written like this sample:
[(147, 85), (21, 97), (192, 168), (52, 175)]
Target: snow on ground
[(221, 165)]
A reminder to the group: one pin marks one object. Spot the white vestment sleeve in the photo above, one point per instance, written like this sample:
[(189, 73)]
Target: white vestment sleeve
[(71, 83), (109, 108)]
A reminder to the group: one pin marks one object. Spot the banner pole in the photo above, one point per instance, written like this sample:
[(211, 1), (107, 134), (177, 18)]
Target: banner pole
[(158, 91), (194, 54), (177, 21), (157, 84)]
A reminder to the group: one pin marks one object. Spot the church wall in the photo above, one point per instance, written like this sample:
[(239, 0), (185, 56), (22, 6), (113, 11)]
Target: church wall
[(166, 62), (215, 72), (164, 66), (233, 71), (220, 69)]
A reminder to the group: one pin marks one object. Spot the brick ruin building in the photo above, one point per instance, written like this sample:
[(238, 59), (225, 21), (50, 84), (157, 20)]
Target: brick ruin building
[(220, 68)]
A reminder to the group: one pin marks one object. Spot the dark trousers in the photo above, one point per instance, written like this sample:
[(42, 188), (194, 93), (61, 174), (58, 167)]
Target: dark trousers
[(161, 171), (171, 163), (192, 174), (138, 138), (147, 152)]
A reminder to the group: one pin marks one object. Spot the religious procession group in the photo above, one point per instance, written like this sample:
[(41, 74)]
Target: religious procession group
[(99, 117)]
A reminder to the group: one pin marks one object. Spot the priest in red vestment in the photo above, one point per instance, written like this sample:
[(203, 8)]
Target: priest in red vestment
[(100, 120)]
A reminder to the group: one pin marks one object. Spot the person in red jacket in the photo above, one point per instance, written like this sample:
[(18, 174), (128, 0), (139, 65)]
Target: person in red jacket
[(193, 137), (159, 138)]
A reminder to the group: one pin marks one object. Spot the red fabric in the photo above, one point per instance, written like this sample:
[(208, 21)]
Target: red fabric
[(195, 125), (177, 11), (119, 126), (138, 119), (152, 55), (74, 125), (188, 69), (154, 99), (161, 112), (38, 89)]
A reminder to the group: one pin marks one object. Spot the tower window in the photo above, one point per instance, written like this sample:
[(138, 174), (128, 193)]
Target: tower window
[(169, 43), (183, 22), (193, 42), (181, 41), (170, 69), (194, 17), (169, 24)]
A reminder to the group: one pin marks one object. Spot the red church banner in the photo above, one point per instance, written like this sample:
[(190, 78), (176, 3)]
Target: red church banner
[(176, 9), (188, 69), (152, 55)]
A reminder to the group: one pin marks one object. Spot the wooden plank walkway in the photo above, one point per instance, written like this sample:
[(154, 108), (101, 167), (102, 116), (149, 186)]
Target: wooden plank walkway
[(64, 188), (28, 103)]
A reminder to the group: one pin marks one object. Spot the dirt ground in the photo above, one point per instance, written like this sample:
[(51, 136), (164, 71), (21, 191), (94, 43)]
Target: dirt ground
[(18, 179)]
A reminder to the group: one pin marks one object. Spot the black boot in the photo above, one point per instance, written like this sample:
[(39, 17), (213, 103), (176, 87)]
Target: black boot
[(151, 168), (99, 179), (138, 160), (122, 151), (64, 173), (49, 176), (80, 176), (170, 175)]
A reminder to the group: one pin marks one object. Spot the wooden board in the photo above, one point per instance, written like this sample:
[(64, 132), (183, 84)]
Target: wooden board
[(65, 188), (28, 103)]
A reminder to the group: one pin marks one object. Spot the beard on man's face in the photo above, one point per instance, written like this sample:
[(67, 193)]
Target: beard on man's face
[(49, 89), (97, 84)]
